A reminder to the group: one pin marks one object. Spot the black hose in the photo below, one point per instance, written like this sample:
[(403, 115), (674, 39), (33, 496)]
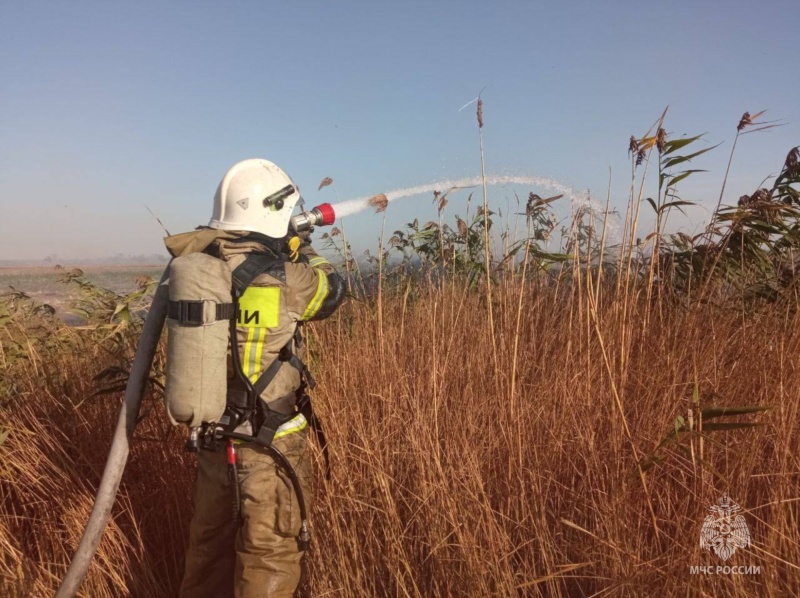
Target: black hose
[(233, 476), (304, 537)]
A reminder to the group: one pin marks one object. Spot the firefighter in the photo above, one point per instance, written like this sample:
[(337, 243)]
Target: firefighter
[(258, 552)]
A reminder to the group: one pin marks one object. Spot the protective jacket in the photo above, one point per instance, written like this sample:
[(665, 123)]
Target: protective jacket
[(272, 306)]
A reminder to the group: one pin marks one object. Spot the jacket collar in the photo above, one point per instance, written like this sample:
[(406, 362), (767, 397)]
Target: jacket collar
[(224, 242)]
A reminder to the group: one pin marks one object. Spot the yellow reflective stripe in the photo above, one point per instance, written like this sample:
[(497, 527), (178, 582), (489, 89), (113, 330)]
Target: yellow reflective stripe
[(322, 292), (248, 345), (259, 309), (292, 426), (319, 297), (317, 261), (259, 354), (256, 347)]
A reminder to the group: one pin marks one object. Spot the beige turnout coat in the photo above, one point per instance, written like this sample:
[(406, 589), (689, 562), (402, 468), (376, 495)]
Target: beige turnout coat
[(270, 309)]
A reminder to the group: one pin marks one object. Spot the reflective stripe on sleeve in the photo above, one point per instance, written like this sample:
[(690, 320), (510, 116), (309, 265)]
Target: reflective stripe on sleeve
[(319, 296), (314, 262)]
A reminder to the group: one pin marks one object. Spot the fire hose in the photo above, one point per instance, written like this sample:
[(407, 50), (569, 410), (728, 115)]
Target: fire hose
[(120, 445)]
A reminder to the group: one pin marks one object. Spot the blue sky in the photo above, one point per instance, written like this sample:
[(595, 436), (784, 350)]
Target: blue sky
[(108, 106)]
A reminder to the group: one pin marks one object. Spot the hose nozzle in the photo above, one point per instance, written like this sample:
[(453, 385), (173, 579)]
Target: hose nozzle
[(322, 215)]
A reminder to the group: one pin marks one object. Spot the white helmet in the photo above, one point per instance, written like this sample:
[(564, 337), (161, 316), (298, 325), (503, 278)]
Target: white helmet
[(255, 195)]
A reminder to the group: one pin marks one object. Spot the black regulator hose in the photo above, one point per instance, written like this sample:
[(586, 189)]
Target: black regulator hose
[(304, 537)]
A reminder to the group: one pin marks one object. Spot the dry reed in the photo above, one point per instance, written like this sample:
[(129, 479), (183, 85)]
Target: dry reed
[(441, 484)]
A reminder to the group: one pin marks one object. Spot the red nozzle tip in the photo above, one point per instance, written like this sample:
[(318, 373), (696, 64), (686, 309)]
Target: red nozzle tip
[(328, 215)]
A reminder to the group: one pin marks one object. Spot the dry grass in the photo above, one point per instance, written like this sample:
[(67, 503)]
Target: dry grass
[(445, 482), (52, 460)]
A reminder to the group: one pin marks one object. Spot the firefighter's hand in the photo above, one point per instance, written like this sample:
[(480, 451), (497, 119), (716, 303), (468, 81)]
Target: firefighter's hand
[(305, 236)]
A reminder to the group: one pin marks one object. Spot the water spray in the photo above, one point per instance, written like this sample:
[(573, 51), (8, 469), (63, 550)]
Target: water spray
[(353, 206), (325, 214), (359, 204)]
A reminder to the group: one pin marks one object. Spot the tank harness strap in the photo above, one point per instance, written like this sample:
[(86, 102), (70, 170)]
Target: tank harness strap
[(238, 398), (244, 397), (285, 356), (270, 424), (264, 380), (190, 313), (255, 264)]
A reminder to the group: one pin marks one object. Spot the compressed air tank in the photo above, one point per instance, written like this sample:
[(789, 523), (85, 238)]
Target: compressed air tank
[(198, 325)]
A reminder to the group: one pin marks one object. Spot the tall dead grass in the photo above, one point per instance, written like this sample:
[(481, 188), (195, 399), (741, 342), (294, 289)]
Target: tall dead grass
[(445, 481), (56, 438)]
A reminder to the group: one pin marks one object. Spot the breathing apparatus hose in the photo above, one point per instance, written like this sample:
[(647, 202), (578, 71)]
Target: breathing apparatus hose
[(120, 445), (304, 537)]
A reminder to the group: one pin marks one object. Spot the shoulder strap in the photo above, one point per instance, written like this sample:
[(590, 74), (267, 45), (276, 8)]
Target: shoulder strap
[(242, 276), (242, 396), (254, 265), (264, 380)]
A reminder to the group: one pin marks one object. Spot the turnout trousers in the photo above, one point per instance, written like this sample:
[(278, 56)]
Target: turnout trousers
[(262, 557)]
